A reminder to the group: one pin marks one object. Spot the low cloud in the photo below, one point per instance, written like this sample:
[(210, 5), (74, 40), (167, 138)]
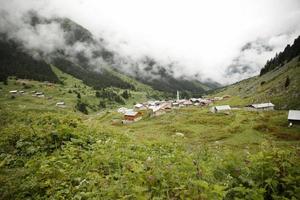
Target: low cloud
[(253, 56), (207, 40)]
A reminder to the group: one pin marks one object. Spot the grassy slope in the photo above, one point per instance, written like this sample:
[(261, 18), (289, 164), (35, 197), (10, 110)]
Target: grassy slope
[(55, 153), (253, 91), (58, 92)]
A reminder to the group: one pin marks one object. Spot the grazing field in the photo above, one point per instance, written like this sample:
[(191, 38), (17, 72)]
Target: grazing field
[(59, 154), (48, 152)]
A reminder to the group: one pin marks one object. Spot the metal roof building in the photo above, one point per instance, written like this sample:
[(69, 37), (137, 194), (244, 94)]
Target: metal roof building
[(220, 108), (262, 105), (294, 116)]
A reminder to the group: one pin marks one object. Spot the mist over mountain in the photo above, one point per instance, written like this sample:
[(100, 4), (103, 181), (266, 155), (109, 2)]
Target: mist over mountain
[(197, 44), (73, 49)]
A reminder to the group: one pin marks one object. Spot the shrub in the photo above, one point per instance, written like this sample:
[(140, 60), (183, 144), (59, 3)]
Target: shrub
[(82, 107), (287, 82)]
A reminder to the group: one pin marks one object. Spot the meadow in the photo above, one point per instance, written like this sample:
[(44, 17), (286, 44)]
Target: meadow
[(47, 152)]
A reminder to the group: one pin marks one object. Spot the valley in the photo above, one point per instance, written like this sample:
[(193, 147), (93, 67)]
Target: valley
[(92, 107), (188, 152)]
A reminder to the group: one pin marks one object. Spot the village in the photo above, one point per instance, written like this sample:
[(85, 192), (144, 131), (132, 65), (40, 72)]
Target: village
[(157, 108), (160, 107)]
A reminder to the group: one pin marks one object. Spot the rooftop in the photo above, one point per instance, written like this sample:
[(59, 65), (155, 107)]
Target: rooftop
[(131, 113), (294, 115), (224, 107), (262, 105)]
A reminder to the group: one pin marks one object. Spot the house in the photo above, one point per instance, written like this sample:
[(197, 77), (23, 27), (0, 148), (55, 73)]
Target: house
[(139, 106), (166, 106), (132, 116), (194, 100), (175, 104), (156, 111), (226, 96), (223, 108), (124, 110), (218, 98), (13, 91), (187, 103), (262, 106), (61, 104), (204, 102), (180, 102), (39, 94), (294, 117), (151, 103)]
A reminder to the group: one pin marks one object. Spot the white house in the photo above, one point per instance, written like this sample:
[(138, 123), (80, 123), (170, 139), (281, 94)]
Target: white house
[(61, 104), (262, 106), (222, 108), (13, 91), (294, 116), (139, 106)]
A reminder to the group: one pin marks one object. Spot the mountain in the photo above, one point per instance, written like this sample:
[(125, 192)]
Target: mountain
[(278, 82), (15, 62), (285, 56), (86, 57)]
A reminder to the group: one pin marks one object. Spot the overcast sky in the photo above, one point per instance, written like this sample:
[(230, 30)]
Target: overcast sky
[(207, 37)]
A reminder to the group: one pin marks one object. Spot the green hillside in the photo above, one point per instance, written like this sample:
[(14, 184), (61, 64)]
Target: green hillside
[(68, 91), (94, 63), (280, 86), (48, 152), (81, 150)]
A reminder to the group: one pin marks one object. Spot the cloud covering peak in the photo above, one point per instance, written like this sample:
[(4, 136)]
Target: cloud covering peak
[(220, 40)]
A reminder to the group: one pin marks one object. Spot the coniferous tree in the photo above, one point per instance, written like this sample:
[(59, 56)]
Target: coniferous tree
[(287, 82)]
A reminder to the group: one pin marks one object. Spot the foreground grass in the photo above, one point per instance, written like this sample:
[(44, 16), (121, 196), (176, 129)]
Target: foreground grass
[(56, 155)]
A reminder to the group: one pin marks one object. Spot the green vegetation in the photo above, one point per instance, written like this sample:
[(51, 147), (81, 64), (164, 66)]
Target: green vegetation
[(15, 62), (280, 59), (82, 151), (280, 86), (63, 155), (47, 152)]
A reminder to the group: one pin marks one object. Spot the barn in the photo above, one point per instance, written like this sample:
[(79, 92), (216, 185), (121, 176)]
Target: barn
[(262, 106), (222, 108), (132, 116), (294, 117)]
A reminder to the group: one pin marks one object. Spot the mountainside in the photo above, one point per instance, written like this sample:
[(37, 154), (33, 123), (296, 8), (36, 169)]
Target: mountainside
[(85, 57), (280, 86), (15, 62), (280, 59)]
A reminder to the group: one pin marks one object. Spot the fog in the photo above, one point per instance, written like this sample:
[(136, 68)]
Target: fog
[(225, 41)]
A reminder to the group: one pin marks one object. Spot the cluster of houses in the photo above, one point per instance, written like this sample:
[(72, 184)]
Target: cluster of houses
[(16, 92), (36, 94), (160, 107), (251, 107), (157, 108)]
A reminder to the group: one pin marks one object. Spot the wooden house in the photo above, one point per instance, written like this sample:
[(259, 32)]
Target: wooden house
[(132, 116)]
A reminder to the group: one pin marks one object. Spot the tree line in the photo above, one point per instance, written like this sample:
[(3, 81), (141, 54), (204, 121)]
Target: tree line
[(279, 60)]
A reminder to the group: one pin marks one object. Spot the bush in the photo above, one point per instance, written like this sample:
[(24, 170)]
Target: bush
[(287, 82), (125, 94), (102, 104), (82, 107)]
